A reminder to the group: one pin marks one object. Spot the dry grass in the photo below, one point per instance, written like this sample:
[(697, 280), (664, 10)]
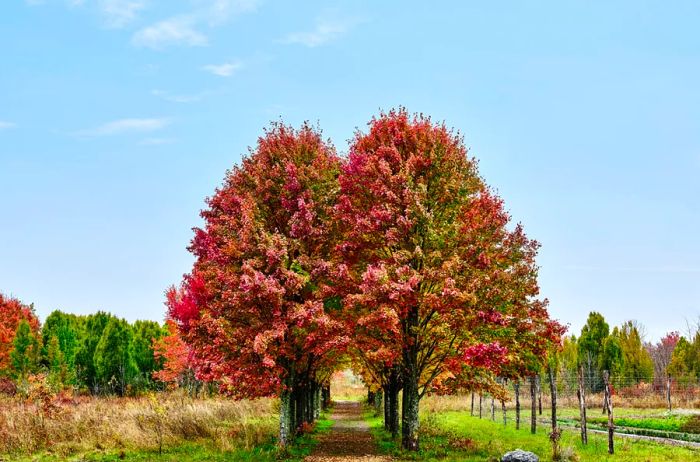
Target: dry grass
[(68, 426)]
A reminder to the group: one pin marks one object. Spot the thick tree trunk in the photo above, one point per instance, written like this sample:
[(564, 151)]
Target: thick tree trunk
[(410, 377), (391, 404), (533, 405), (409, 414), (378, 402), (286, 418), (326, 396), (386, 408), (516, 386)]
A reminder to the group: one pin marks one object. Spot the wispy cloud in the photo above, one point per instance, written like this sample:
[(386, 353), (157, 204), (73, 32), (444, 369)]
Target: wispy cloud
[(5, 125), (178, 30), (187, 29), (118, 13), (174, 98), (224, 69), (326, 30), (123, 126)]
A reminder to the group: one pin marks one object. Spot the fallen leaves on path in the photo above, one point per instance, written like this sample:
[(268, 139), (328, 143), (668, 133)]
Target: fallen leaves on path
[(349, 439)]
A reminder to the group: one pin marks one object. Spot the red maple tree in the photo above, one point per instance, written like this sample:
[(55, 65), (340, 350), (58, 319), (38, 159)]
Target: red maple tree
[(253, 307), (437, 279), (174, 354), (12, 312)]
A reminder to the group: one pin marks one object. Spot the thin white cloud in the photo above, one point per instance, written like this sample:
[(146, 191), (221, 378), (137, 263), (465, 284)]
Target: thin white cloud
[(326, 30), (124, 126), (178, 30), (119, 13), (5, 125), (220, 11), (224, 69), (186, 29)]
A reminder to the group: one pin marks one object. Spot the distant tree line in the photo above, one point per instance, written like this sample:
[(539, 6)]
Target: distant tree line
[(97, 353), (630, 359)]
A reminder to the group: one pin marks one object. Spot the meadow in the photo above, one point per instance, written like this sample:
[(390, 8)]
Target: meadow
[(450, 433)]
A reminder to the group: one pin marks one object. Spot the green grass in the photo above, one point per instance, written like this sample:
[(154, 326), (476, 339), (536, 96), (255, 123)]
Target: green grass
[(456, 436), (196, 451)]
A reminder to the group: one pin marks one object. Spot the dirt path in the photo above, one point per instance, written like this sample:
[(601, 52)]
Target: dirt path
[(349, 438)]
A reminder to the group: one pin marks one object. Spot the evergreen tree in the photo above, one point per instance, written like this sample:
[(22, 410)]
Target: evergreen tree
[(85, 355), (144, 333), (25, 353), (590, 347), (113, 359)]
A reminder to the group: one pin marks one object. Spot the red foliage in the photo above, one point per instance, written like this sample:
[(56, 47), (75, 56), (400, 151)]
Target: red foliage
[(252, 308), (12, 312), (434, 274), (175, 355)]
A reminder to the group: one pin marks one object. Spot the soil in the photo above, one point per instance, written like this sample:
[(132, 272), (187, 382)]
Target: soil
[(349, 438)]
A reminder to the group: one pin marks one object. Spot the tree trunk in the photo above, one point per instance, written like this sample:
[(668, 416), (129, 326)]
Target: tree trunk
[(392, 407), (472, 412), (516, 386), (668, 391), (503, 408), (493, 409), (409, 417), (533, 405), (539, 393), (582, 405), (609, 405), (286, 417), (378, 402), (481, 398), (386, 408), (411, 398)]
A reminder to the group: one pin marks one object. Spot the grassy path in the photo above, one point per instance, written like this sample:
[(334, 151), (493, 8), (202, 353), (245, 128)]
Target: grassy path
[(349, 438)]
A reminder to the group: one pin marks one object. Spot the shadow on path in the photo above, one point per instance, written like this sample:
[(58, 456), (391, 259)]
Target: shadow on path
[(348, 440)]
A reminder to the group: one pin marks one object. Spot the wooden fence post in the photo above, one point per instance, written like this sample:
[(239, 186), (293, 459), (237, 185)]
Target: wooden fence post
[(533, 405), (582, 405), (553, 391), (609, 406), (516, 386)]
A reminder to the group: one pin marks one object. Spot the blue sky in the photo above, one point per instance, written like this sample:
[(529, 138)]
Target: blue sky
[(118, 117)]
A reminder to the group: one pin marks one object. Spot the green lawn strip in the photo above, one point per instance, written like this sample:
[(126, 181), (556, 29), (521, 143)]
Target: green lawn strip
[(456, 436)]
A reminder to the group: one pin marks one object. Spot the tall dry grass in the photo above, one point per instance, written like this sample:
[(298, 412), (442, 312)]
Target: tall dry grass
[(68, 426)]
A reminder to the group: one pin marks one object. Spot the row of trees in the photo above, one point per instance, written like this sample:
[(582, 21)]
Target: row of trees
[(629, 358), (397, 258), (99, 353)]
